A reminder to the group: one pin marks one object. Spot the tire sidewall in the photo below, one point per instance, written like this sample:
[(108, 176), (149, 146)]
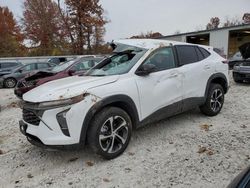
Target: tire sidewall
[(211, 91), (6, 81), (102, 118)]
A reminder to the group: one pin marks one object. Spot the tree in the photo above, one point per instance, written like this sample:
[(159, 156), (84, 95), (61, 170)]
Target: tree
[(10, 35), (43, 26), (214, 23), (246, 18), (86, 24), (232, 22), (149, 35)]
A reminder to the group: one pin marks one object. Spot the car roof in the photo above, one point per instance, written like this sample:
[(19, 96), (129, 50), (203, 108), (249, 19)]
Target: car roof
[(153, 43)]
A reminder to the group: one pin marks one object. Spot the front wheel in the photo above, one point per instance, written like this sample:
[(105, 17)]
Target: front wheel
[(110, 132), (214, 101), (10, 83)]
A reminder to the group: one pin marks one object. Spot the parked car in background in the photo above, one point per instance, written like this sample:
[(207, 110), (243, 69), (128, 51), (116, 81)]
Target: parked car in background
[(57, 60), (241, 70), (7, 67), (10, 80), (242, 180), (144, 81), (240, 56), (74, 67), (236, 59)]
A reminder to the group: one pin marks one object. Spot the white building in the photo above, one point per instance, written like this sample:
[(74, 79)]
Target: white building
[(227, 39)]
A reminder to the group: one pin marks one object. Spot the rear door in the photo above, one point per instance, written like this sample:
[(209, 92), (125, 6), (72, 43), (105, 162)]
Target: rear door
[(196, 68), (160, 92)]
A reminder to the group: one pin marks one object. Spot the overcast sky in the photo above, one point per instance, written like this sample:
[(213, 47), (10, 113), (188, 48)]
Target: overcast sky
[(131, 17)]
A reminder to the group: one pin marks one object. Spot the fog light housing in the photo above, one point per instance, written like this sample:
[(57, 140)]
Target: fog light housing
[(61, 119)]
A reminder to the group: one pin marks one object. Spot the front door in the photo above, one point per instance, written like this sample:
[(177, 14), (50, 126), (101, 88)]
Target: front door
[(160, 92)]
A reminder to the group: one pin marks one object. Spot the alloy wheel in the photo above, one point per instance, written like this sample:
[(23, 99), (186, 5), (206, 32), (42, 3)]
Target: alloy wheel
[(216, 101), (10, 83), (113, 134)]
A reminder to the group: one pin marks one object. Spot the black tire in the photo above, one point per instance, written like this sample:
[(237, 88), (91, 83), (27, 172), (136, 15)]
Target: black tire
[(214, 101), (10, 82), (238, 81), (102, 139)]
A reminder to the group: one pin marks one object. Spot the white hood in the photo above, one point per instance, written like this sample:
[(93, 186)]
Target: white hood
[(66, 88)]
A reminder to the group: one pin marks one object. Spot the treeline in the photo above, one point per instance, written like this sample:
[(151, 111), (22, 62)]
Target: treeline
[(50, 27)]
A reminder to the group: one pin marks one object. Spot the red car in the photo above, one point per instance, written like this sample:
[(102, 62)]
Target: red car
[(74, 67)]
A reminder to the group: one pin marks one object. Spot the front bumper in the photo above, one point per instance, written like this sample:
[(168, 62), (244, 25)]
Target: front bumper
[(45, 126), (241, 75), (37, 142)]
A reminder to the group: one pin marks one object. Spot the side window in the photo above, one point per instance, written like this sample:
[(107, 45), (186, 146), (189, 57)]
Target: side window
[(42, 66), (29, 67), (186, 54), (199, 54), (163, 59), (85, 65), (7, 65), (204, 52)]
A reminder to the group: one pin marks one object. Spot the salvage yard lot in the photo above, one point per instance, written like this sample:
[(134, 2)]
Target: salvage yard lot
[(188, 150)]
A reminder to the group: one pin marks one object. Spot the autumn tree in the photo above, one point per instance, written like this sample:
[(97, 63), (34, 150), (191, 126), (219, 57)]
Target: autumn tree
[(148, 35), (43, 26), (214, 23), (246, 18), (10, 36), (87, 24), (232, 21)]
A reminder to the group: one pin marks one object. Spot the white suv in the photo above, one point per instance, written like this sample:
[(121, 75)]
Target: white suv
[(143, 81)]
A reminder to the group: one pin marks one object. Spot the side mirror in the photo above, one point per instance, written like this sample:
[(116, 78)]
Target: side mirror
[(146, 69), (71, 72), (20, 71)]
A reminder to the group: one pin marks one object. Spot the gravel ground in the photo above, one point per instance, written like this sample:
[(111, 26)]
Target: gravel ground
[(188, 150)]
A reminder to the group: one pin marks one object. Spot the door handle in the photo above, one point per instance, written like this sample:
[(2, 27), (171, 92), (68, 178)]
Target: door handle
[(207, 67), (173, 75)]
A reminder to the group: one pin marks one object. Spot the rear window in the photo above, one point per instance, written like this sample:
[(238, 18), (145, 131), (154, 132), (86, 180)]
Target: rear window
[(187, 54), (204, 52), (7, 65)]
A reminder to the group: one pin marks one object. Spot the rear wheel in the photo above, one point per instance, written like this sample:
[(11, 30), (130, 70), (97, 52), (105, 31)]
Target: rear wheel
[(110, 132), (214, 101), (10, 83)]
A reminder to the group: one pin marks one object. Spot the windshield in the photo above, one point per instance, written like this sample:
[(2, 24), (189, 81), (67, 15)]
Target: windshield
[(120, 63), (63, 66)]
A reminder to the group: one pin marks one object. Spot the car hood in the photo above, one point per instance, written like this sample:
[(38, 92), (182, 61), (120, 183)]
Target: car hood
[(39, 75), (66, 88), (245, 50)]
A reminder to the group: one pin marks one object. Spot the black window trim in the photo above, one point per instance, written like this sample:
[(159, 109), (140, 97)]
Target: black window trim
[(174, 53), (196, 47)]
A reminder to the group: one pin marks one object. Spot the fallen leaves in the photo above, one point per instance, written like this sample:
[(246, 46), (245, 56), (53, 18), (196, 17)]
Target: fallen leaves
[(205, 127), (106, 180), (90, 163), (206, 150), (131, 153)]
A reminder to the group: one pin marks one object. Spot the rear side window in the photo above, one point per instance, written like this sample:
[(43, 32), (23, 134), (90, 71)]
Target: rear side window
[(42, 65), (199, 54), (187, 54), (204, 52)]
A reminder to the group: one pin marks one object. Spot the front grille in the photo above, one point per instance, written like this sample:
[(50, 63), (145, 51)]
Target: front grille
[(30, 117)]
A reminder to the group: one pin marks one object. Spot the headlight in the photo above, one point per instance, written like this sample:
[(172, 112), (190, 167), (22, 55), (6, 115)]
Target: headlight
[(62, 102)]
